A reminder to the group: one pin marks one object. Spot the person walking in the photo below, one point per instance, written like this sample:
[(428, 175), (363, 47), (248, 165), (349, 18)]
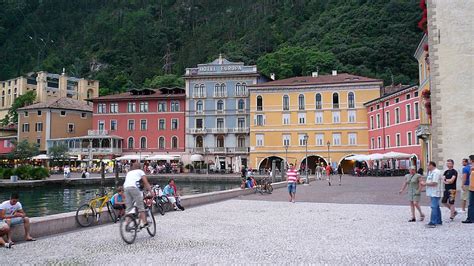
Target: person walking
[(318, 172), (449, 180), (328, 173), (466, 169), (434, 190), (470, 207), (340, 172), (291, 179), (412, 181)]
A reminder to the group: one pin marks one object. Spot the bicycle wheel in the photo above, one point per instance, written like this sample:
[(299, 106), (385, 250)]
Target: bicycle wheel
[(151, 223), (128, 228), (85, 214), (269, 189), (112, 214), (159, 207)]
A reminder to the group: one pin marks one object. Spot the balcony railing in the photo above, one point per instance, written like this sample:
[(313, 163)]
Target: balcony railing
[(199, 95), (197, 130), (97, 132), (85, 151), (220, 94), (241, 130), (219, 130)]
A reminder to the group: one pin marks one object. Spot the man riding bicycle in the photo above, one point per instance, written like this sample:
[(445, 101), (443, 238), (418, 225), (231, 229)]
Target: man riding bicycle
[(133, 195)]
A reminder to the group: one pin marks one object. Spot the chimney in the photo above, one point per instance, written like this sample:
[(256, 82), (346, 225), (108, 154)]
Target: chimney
[(314, 74), (64, 71), (334, 72), (272, 76)]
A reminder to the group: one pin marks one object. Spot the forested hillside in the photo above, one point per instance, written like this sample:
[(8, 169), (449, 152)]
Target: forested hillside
[(126, 43)]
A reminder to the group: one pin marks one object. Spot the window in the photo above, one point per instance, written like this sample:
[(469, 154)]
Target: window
[(199, 142), (241, 105), (408, 96), (83, 115), (131, 125), (377, 106), (241, 142), (387, 141), (371, 122), (397, 100), (387, 103), (350, 100), (302, 139), (352, 138), (336, 139), (220, 122), (319, 104), (260, 120), (101, 108), (174, 106), (372, 143), (131, 107), (101, 125), (25, 127), (39, 127), (379, 142), (174, 143), (319, 117), (38, 141), (417, 140), (114, 107), (142, 143), (130, 143), (70, 128), (199, 123), (199, 91), (161, 143), (143, 107), (408, 112), (220, 106), (39, 112), (259, 103), (143, 124), (161, 124), (220, 141), (320, 139), (62, 113), (301, 118), (220, 90), (301, 102), (286, 119), (409, 139), (397, 140), (417, 110), (335, 100), (286, 140), (371, 108), (259, 139), (241, 122), (378, 120), (336, 116), (397, 115), (351, 116), (162, 107), (286, 103), (113, 125), (415, 94), (199, 106), (387, 118), (174, 124)]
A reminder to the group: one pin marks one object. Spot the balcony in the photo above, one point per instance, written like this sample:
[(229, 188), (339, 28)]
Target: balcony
[(197, 130), (199, 95), (85, 151), (97, 132), (219, 130), (241, 130), (220, 94)]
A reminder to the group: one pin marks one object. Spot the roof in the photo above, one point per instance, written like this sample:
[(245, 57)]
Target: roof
[(61, 103), (145, 94), (319, 80), (394, 93)]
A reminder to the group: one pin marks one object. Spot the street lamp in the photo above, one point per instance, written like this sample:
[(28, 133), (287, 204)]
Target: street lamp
[(329, 158), (306, 159), (286, 154)]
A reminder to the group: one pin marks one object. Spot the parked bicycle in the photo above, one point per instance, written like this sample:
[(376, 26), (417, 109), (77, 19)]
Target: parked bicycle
[(91, 211), (160, 201), (130, 224), (264, 186)]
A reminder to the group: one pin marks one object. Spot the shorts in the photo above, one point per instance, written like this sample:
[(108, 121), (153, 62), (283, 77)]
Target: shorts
[(449, 196), (3, 225), (119, 206), (134, 197), (171, 199), (292, 187), (16, 221), (465, 193)]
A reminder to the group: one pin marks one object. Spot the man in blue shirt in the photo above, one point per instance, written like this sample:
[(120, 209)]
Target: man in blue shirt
[(466, 169)]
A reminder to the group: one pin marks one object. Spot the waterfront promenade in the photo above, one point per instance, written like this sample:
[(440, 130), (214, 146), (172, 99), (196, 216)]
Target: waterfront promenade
[(349, 224)]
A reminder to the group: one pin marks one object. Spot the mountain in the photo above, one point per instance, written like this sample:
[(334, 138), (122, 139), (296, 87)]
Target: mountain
[(126, 43)]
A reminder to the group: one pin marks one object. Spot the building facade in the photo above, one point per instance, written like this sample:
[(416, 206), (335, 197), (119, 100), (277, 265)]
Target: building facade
[(150, 121), (324, 115), (392, 121), (217, 112), (56, 118), (46, 86), (8, 136)]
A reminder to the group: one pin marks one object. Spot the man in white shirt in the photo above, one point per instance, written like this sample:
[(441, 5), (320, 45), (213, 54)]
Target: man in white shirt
[(11, 211), (133, 195), (434, 189)]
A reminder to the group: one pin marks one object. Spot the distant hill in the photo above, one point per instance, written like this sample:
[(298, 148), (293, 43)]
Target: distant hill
[(126, 43)]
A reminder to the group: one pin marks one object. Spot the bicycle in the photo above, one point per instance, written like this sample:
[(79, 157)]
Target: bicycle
[(130, 224), (161, 202), (265, 186), (87, 212)]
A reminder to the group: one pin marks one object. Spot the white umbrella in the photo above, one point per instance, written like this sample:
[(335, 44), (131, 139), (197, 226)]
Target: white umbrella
[(161, 157), (197, 158), (131, 157), (397, 155), (358, 157), (41, 157), (376, 156)]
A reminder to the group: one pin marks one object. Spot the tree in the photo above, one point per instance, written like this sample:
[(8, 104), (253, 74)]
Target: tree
[(23, 150), (168, 81), (21, 101), (59, 152)]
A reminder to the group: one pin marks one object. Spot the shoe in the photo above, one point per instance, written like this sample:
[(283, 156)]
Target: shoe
[(181, 207), (144, 225), (461, 211), (412, 220), (329, 183), (8, 245), (422, 218), (430, 225), (467, 222)]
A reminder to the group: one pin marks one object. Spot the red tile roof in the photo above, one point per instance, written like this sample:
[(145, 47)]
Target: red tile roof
[(319, 80), (154, 93), (61, 103)]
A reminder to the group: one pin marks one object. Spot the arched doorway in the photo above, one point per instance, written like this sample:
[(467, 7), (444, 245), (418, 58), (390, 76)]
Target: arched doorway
[(349, 165), (313, 161), (267, 163)]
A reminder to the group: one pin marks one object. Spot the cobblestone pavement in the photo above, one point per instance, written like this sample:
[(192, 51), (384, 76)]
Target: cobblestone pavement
[(274, 232)]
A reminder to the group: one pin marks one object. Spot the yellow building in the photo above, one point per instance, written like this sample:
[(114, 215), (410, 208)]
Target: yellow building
[(47, 86), (424, 130), (328, 109)]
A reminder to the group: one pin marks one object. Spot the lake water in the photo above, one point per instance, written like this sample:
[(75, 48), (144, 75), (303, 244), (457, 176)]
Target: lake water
[(47, 200)]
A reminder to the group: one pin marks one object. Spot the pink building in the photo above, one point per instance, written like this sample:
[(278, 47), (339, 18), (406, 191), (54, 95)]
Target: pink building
[(150, 121), (7, 136), (393, 119)]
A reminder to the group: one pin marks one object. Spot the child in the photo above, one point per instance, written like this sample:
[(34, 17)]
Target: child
[(118, 202)]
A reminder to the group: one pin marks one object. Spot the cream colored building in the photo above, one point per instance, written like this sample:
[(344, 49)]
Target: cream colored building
[(47, 86)]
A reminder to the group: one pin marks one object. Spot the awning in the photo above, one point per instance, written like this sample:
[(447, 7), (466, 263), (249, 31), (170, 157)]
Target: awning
[(197, 158), (41, 157), (376, 156), (163, 157), (131, 157), (358, 157), (397, 155)]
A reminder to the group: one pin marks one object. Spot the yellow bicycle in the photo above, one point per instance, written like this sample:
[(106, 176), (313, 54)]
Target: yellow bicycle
[(91, 211)]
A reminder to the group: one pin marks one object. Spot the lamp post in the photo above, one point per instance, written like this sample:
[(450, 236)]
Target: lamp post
[(329, 157), (306, 158), (286, 154)]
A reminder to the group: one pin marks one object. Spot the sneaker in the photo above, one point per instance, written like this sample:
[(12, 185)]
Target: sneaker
[(467, 222), (461, 211), (144, 225), (8, 245), (430, 225)]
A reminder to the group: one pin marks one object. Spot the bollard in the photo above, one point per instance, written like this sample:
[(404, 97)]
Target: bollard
[(14, 178)]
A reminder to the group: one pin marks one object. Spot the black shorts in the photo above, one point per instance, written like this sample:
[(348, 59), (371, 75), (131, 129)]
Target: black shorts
[(119, 206), (449, 196)]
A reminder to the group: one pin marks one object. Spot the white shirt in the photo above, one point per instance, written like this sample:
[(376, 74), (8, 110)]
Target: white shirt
[(434, 177), (9, 208), (133, 177)]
